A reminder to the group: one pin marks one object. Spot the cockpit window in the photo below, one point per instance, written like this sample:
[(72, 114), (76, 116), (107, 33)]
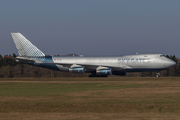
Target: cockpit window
[(162, 56)]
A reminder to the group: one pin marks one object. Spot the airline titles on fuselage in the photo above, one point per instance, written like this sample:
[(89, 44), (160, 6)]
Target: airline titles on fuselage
[(133, 60)]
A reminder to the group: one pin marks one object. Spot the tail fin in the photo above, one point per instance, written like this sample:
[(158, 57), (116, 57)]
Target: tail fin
[(25, 47)]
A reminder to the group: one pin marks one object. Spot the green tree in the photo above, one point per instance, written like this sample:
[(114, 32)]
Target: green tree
[(1, 60)]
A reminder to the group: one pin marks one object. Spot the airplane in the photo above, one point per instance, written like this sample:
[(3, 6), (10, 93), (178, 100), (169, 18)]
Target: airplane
[(96, 66)]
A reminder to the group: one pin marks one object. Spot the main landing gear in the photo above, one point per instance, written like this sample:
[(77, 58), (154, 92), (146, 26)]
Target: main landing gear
[(95, 75)]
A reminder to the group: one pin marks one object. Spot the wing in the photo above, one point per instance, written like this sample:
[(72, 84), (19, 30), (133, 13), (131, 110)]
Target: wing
[(87, 66), (91, 66)]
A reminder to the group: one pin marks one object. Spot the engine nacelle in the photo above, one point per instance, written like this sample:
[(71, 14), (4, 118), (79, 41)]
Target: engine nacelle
[(76, 69), (103, 71)]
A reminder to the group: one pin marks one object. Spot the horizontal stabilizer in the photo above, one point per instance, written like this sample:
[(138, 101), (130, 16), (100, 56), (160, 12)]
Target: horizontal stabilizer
[(24, 60)]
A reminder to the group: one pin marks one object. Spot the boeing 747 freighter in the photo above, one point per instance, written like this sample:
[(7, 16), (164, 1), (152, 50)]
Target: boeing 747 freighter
[(96, 66)]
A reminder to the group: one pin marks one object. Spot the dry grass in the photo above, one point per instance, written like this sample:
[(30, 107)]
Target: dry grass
[(88, 116), (90, 98)]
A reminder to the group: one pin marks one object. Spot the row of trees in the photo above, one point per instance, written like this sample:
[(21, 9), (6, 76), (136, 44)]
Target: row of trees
[(10, 68)]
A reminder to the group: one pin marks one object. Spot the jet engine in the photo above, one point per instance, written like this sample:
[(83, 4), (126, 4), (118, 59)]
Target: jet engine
[(103, 71), (76, 69)]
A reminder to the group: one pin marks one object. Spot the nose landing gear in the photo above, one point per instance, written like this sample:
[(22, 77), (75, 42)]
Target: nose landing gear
[(158, 74)]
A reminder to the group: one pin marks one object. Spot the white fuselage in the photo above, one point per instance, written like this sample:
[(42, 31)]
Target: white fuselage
[(140, 62)]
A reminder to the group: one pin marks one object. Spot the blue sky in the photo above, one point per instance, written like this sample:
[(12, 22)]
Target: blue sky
[(92, 27)]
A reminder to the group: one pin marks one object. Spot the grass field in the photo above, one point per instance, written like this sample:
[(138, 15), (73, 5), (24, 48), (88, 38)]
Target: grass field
[(90, 98)]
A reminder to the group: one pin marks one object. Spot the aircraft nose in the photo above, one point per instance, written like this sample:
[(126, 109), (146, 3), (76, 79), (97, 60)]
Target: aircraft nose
[(173, 63), (170, 63)]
